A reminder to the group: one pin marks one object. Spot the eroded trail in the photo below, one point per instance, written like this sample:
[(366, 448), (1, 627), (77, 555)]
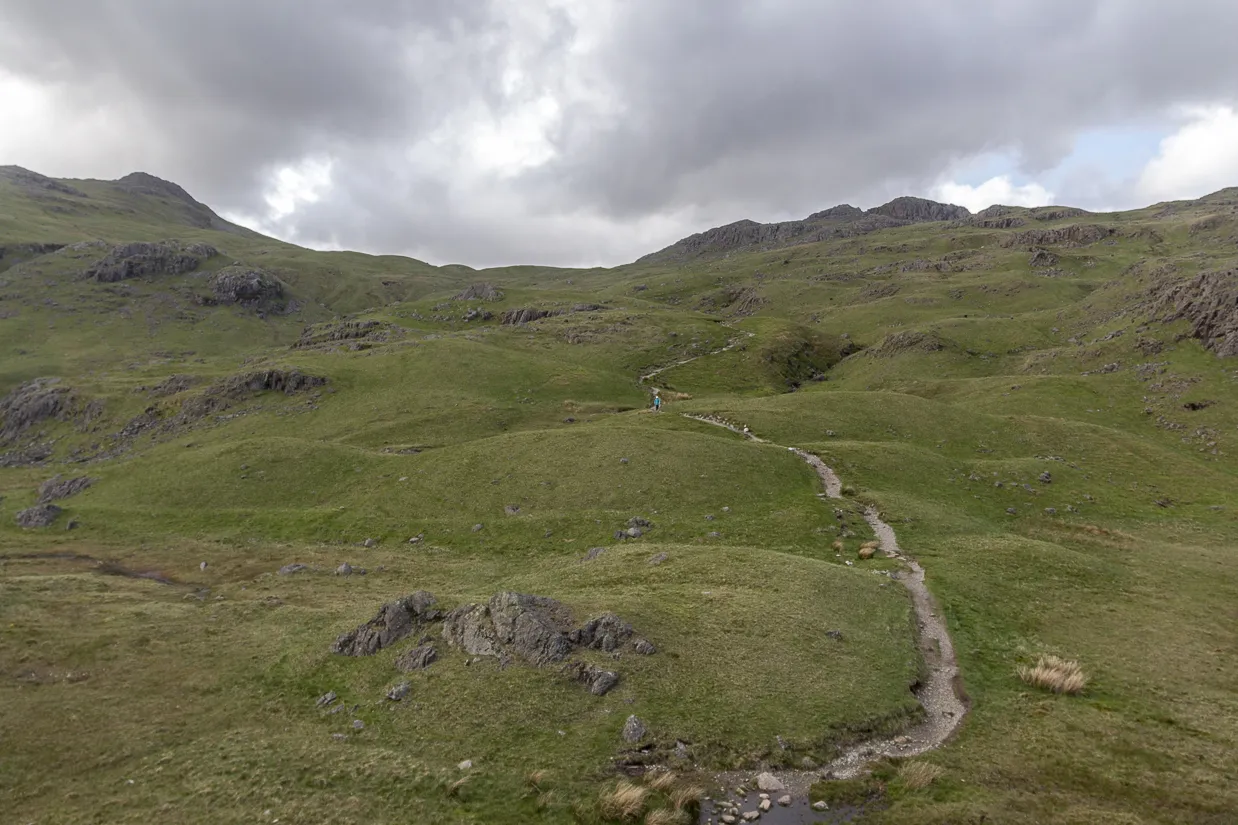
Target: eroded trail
[(939, 694), (732, 344)]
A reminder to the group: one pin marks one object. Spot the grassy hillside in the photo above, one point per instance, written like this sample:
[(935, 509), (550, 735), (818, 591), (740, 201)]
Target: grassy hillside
[(1041, 403)]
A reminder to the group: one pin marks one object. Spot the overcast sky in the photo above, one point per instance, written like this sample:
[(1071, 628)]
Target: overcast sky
[(582, 132)]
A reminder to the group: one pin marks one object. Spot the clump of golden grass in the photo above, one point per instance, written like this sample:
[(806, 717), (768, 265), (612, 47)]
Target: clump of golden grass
[(625, 801), (917, 775), (538, 779), (453, 790), (665, 816), (1054, 674), (661, 780), (686, 795), (545, 800)]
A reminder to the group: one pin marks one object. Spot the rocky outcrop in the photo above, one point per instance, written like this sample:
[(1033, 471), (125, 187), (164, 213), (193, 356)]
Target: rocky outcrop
[(417, 658), (534, 628), (1209, 302), (910, 341), (172, 385), (41, 515), (147, 260), (244, 286), (33, 182), (1042, 258), (352, 334), (37, 401), (394, 621), (838, 222), (1070, 236), (598, 681), (480, 292), (516, 317), (58, 487), (920, 210)]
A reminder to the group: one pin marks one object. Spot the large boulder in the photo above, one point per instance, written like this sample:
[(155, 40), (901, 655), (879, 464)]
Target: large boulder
[(41, 515), (533, 628), (394, 621), (244, 285)]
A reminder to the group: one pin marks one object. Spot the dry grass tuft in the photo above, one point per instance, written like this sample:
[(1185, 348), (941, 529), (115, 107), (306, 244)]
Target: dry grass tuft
[(626, 801), (545, 800), (1054, 674), (453, 790), (686, 796), (661, 780), (665, 816), (917, 775), (538, 779)]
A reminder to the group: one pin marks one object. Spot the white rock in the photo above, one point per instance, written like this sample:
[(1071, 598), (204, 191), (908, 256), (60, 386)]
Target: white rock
[(465, 765), (820, 806), (768, 782), (765, 805), (751, 816), (784, 801)]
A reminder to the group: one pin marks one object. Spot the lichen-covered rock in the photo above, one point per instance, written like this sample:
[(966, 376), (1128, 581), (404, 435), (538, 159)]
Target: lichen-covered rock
[(1209, 302), (533, 628), (394, 621), (598, 681), (607, 633), (34, 402), (417, 658)]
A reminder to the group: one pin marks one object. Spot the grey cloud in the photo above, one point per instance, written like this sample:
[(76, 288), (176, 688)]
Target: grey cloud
[(709, 110)]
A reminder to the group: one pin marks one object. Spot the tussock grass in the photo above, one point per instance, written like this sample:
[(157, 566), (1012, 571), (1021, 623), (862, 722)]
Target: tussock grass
[(917, 775), (685, 796), (1054, 674), (625, 801), (538, 779), (666, 816), (661, 780), (454, 789)]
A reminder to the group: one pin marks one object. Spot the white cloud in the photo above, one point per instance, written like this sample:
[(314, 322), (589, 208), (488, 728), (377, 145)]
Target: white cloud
[(1199, 158), (997, 190)]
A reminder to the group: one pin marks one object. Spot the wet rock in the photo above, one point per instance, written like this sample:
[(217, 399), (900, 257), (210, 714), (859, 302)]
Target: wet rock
[(295, 567), (768, 782), (658, 559), (41, 515), (326, 699), (397, 693), (598, 681), (394, 621), (634, 730), (607, 633), (417, 658), (644, 647), (58, 487)]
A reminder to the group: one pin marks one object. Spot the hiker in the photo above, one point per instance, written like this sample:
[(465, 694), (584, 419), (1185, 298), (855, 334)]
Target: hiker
[(657, 402)]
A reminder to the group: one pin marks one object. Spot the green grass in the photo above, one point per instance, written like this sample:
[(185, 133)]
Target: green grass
[(126, 700)]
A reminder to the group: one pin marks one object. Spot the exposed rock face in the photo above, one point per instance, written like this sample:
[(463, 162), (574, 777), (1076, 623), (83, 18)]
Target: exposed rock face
[(58, 487), (1008, 222), (355, 334), (145, 260), (920, 210), (172, 385), (34, 402), (634, 730), (244, 286), (34, 182), (41, 515), (394, 621), (516, 317), (606, 633), (898, 342), (534, 628), (223, 394), (1043, 258), (417, 658), (838, 222), (598, 681), (1070, 236), (1210, 302), (480, 292)]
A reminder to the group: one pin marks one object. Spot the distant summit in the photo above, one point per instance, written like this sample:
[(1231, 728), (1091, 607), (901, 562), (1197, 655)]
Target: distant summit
[(141, 183), (842, 221)]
